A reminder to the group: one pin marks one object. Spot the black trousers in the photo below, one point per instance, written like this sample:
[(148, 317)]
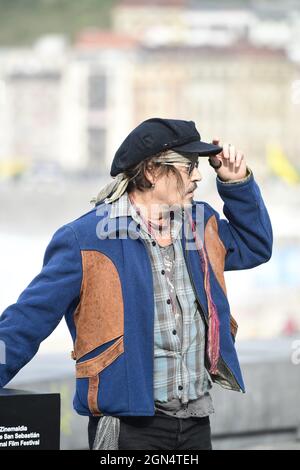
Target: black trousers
[(159, 432)]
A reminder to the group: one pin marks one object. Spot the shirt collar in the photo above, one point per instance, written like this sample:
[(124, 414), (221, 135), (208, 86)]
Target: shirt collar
[(122, 207)]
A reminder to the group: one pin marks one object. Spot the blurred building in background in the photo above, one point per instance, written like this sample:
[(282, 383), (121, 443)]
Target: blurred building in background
[(64, 105), (233, 70)]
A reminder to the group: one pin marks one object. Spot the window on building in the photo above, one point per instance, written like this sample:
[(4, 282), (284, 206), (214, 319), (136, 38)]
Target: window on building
[(96, 148), (97, 91)]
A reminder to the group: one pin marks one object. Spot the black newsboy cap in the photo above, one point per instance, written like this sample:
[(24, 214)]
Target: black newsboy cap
[(155, 135)]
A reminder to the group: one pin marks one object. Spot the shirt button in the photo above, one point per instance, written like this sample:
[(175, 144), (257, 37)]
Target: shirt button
[(168, 301), (180, 387), (153, 243), (174, 332), (163, 271)]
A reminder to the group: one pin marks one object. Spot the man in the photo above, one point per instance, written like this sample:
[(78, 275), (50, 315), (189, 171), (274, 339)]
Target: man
[(140, 280)]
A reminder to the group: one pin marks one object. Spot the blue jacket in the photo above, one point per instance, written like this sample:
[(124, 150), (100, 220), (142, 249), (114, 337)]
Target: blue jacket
[(103, 286)]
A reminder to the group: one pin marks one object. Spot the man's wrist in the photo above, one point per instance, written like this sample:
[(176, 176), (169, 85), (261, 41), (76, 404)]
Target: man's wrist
[(241, 180)]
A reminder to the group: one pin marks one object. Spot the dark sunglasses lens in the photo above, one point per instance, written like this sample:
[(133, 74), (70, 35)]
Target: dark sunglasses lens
[(192, 166)]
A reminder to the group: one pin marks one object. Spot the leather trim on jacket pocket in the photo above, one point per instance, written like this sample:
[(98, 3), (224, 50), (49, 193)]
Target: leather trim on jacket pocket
[(92, 368), (93, 395)]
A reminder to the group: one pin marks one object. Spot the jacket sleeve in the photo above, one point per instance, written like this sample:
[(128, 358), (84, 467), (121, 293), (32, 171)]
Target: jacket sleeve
[(247, 233), (41, 306)]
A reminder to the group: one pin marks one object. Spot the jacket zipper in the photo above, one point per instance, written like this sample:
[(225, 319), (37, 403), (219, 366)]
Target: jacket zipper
[(204, 316)]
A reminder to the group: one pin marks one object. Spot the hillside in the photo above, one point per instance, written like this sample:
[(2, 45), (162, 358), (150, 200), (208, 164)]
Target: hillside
[(22, 21)]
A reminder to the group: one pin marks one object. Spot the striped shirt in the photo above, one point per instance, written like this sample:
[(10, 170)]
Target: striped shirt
[(181, 382)]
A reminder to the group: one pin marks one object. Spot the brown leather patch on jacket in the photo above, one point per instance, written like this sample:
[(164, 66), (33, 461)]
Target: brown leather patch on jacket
[(93, 396), (216, 250), (99, 316), (233, 326)]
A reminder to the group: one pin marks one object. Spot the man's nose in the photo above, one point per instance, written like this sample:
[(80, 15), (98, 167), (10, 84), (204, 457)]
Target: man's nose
[(196, 175)]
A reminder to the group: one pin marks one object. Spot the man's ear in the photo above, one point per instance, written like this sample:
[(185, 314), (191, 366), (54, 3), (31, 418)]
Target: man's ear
[(151, 173)]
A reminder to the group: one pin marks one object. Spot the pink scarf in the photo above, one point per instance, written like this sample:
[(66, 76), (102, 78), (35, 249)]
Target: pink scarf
[(213, 344)]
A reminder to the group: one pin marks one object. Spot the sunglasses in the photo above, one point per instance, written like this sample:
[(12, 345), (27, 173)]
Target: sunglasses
[(190, 166)]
